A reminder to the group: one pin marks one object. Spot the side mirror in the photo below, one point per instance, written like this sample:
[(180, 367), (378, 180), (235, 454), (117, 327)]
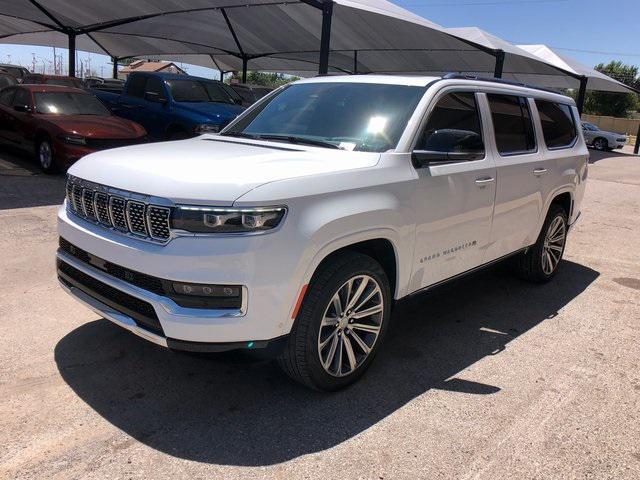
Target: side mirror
[(22, 108), (449, 146), (154, 97)]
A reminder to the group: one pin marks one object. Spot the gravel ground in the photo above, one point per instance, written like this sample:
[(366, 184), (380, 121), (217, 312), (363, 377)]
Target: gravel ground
[(486, 378)]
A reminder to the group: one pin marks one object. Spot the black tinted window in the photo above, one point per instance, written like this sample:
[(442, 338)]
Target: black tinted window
[(155, 85), (7, 80), (453, 126), (6, 97), (22, 98), (135, 86), (512, 124), (558, 127)]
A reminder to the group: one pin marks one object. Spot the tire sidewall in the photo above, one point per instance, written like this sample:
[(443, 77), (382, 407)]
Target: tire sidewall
[(319, 376)]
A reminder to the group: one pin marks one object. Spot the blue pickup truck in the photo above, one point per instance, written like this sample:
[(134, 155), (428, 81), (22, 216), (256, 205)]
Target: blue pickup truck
[(171, 106)]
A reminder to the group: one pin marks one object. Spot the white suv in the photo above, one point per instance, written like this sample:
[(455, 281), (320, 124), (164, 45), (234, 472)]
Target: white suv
[(298, 227)]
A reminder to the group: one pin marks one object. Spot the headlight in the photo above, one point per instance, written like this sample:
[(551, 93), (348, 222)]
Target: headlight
[(74, 139), (227, 220), (207, 128)]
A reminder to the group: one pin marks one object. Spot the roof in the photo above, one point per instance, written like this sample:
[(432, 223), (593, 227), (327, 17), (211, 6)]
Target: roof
[(142, 66), (596, 80), (417, 81)]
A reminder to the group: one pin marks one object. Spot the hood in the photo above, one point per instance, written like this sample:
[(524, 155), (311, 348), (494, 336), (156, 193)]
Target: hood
[(214, 111), (96, 126), (211, 170)]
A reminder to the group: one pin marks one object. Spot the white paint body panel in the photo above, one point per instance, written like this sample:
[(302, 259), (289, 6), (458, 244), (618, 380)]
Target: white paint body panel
[(334, 198)]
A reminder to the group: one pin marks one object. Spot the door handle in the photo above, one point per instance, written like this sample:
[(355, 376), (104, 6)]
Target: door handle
[(484, 180), (539, 171)]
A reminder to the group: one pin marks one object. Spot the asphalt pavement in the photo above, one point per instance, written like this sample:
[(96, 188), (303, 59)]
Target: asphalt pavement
[(488, 378)]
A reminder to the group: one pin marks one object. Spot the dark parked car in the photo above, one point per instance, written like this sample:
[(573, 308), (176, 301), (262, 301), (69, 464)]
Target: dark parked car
[(171, 106), (61, 124), (114, 85), (6, 80), (250, 94), (39, 79), (17, 71)]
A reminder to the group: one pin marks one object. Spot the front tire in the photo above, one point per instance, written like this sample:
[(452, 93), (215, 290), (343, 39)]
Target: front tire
[(46, 158), (601, 144), (540, 262), (341, 324)]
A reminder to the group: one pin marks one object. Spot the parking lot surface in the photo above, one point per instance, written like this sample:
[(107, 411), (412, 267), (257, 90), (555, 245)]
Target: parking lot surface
[(486, 378)]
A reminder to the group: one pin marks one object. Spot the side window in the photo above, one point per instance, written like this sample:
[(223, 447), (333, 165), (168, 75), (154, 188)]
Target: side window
[(21, 98), (557, 122), (155, 85), (512, 124), (135, 86), (453, 126), (6, 97), (30, 79)]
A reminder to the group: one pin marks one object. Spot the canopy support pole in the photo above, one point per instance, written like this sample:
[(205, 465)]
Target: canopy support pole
[(114, 60), (497, 73), (325, 39), (355, 62), (72, 53), (582, 94), (245, 64), (636, 149)]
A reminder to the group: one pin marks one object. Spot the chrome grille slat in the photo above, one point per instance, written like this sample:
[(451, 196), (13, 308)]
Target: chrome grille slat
[(135, 214), (87, 203), (117, 207), (119, 210), (101, 206)]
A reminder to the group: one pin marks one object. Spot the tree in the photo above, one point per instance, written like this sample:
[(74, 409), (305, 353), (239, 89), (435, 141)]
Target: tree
[(271, 80), (614, 104)]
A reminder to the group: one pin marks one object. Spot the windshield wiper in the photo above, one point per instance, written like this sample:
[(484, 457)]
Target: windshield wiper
[(241, 135), (300, 140)]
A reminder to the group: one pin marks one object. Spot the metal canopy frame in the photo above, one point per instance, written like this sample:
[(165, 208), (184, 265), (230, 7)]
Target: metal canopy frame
[(325, 6)]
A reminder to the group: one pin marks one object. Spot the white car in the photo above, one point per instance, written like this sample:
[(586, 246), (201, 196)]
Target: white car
[(602, 140), (302, 223)]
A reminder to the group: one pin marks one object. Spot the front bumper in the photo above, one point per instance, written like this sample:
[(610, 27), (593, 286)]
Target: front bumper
[(266, 269)]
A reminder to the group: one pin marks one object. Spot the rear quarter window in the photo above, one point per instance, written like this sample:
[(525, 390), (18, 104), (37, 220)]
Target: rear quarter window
[(558, 126)]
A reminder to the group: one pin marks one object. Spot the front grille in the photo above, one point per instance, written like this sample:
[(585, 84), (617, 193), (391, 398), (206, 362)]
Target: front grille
[(140, 311), (115, 210), (105, 143)]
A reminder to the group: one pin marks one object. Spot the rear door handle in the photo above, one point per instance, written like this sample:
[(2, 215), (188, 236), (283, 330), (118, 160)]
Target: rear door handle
[(484, 180), (539, 171)]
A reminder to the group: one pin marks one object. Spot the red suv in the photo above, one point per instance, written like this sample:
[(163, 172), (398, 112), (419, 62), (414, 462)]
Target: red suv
[(61, 124)]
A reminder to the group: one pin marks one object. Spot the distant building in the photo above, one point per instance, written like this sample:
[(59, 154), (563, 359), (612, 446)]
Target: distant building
[(150, 66)]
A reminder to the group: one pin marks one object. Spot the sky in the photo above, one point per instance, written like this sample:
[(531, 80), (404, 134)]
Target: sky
[(591, 31)]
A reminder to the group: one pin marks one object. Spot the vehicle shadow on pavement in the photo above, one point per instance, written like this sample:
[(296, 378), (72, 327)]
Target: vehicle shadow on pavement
[(23, 185), (226, 410), (595, 155)]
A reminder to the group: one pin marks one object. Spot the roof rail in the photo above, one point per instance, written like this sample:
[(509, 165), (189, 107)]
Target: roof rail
[(459, 76)]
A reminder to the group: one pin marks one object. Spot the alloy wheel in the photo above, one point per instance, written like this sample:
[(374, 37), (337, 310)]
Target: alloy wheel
[(553, 245), (350, 325), (45, 155)]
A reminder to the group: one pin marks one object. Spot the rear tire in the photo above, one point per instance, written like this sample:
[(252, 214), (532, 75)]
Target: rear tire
[(45, 156), (341, 324), (540, 262)]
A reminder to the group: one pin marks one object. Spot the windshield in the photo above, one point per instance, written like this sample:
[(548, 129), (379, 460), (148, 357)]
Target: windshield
[(590, 126), (352, 116), (197, 91), (69, 103)]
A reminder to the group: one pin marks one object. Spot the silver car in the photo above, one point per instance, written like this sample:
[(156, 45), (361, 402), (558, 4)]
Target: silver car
[(602, 140)]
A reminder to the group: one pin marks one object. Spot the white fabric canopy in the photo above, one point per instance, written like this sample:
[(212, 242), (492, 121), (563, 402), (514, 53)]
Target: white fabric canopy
[(596, 80)]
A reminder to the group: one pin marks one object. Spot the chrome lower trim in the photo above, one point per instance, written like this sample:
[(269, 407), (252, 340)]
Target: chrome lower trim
[(168, 305), (114, 316)]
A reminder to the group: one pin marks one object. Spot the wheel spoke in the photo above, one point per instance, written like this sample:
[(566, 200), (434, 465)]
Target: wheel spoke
[(337, 304), (326, 340), (366, 299), (332, 352), (350, 355), (329, 322), (365, 328), (363, 346), (368, 312), (358, 293), (549, 261), (556, 248), (339, 363), (557, 239)]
